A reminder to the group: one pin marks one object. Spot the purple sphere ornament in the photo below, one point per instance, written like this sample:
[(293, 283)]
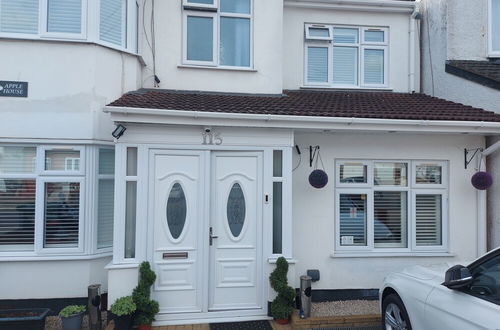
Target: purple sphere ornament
[(318, 179), (481, 180)]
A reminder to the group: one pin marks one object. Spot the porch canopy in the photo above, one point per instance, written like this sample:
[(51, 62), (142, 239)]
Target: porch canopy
[(305, 109)]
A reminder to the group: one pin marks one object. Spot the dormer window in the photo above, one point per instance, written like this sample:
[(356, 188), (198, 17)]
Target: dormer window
[(494, 28), (346, 56), (218, 33)]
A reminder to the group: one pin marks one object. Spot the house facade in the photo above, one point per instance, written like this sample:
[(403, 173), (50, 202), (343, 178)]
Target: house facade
[(460, 53), (252, 129)]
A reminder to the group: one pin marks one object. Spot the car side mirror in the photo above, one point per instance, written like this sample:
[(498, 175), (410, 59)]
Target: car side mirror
[(457, 277)]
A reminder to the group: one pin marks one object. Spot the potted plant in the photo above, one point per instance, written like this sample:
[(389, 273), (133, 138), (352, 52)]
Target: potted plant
[(72, 316), (123, 310), (282, 305), (146, 308)]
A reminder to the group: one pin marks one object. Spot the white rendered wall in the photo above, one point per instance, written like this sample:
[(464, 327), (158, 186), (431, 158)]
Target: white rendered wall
[(51, 279), (293, 42), (267, 54), (69, 83), (314, 209)]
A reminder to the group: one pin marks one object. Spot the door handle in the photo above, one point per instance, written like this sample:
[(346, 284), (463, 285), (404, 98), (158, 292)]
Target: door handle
[(211, 237)]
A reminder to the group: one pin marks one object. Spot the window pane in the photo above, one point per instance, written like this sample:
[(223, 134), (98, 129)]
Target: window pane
[(235, 6), (130, 218), (390, 218), (495, 25), (317, 64), (199, 38), (428, 174), (391, 174), (277, 163), (345, 65), (17, 160), (105, 211), (62, 160), (319, 32), (19, 16), (176, 210), (113, 21), (374, 66), (428, 219), (374, 36), (236, 210), (277, 217), (106, 161), (345, 36), (64, 16), (17, 214), (131, 161), (353, 216), (486, 280), (62, 212), (234, 41), (208, 2), (353, 173)]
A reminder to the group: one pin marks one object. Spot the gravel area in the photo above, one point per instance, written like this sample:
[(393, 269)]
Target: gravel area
[(345, 307)]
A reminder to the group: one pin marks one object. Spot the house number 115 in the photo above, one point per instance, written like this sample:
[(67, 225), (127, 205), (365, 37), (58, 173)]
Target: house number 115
[(211, 138)]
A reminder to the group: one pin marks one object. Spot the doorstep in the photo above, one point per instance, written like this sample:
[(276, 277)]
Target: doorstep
[(334, 321)]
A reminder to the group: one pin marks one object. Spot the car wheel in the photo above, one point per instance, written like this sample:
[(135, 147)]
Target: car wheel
[(394, 315)]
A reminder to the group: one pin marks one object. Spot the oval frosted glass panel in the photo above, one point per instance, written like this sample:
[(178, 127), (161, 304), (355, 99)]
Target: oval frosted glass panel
[(236, 210), (176, 210)]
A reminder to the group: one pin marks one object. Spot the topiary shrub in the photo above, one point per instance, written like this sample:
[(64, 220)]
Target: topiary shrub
[(282, 305), (146, 308)]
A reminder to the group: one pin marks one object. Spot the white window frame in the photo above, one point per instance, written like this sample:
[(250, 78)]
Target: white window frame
[(43, 23), (318, 26), (361, 45), (216, 16), (491, 52), (411, 189), (186, 3), (41, 162)]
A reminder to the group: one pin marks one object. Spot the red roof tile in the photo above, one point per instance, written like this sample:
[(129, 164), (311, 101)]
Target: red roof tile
[(384, 105)]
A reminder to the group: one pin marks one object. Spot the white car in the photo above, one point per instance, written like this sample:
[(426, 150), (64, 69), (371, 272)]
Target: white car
[(441, 298)]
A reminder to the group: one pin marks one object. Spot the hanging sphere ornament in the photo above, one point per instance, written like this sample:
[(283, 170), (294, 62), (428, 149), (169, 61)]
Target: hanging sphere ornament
[(318, 179), (481, 180)]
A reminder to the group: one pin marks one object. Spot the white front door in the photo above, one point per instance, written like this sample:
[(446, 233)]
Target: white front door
[(235, 225), (207, 230)]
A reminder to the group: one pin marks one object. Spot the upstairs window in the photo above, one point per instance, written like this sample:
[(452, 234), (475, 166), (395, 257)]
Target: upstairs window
[(113, 22), (494, 28), (345, 56), (218, 33)]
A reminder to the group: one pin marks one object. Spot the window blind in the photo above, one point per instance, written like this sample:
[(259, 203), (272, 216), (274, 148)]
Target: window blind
[(105, 208), (317, 64), (61, 215), (374, 36), (345, 36), (64, 16), (15, 160), (353, 217), (428, 219), (390, 211), (345, 65), (19, 16), (374, 66), (235, 41), (113, 21), (495, 25), (17, 214)]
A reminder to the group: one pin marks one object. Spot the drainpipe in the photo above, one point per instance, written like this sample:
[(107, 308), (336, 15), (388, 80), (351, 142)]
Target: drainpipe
[(411, 48)]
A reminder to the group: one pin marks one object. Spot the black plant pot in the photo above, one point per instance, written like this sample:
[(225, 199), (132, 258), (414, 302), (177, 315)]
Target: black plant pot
[(123, 322)]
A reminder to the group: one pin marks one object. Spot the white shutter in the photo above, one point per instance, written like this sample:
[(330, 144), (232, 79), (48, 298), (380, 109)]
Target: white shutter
[(390, 218), (374, 66), (112, 26), (428, 219), (317, 64), (353, 219), (345, 65), (19, 16), (64, 16)]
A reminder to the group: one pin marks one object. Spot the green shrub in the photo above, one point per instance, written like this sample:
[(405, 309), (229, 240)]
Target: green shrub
[(123, 306), (146, 308), (72, 310), (282, 305)]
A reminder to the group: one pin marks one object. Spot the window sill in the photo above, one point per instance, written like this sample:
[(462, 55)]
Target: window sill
[(224, 68), (347, 88), (389, 254), (32, 257), (111, 265), (272, 260)]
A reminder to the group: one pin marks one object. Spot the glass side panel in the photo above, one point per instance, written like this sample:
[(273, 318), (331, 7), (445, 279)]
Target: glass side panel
[(176, 210), (277, 217), (131, 161), (106, 161), (236, 210), (277, 163), (130, 218), (105, 211)]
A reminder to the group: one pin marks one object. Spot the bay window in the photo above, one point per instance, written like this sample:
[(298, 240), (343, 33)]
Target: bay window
[(494, 28), (217, 33), (113, 22), (390, 206), (345, 56)]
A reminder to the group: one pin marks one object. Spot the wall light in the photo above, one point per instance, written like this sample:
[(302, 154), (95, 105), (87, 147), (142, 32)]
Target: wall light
[(119, 130)]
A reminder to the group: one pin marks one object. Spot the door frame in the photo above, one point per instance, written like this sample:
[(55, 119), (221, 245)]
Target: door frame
[(266, 238)]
